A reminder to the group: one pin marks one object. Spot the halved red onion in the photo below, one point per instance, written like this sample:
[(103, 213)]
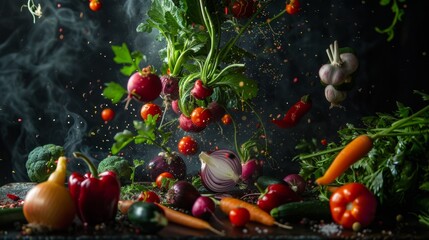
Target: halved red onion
[(220, 170)]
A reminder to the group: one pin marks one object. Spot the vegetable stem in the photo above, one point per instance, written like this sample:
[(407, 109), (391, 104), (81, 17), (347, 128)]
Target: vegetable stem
[(88, 162)]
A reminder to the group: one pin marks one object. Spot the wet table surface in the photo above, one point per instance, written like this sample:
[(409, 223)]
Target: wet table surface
[(315, 230)]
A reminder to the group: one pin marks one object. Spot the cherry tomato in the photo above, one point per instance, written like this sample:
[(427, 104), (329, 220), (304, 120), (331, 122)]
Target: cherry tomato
[(353, 206), (149, 196), (107, 114), (187, 146), (292, 7), (95, 5), (226, 119), (201, 117), (150, 109), (239, 216), (163, 180)]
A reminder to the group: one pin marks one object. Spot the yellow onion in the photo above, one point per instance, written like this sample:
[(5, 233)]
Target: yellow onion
[(49, 204)]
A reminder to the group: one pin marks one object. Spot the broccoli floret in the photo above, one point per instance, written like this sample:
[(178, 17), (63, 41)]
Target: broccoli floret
[(118, 164), (41, 161)]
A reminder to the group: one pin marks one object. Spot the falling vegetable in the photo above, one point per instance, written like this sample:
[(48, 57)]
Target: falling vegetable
[(351, 153), (295, 113), (49, 204), (95, 195)]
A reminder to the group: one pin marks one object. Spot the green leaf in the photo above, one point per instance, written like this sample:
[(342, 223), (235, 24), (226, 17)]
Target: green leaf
[(243, 86), (384, 2), (122, 139), (130, 61), (114, 92)]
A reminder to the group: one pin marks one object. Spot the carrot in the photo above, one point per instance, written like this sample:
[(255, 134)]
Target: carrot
[(256, 214), (351, 153), (188, 220)]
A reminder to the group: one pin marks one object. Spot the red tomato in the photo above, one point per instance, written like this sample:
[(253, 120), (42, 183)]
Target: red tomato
[(353, 204), (150, 109), (107, 114), (226, 119), (187, 146), (201, 117), (163, 180), (149, 196), (292, 7), (95, 5), (239, 216)]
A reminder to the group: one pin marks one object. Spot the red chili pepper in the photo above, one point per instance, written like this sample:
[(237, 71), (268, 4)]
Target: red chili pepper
[(96, 195), (13, 197), (295, 113)]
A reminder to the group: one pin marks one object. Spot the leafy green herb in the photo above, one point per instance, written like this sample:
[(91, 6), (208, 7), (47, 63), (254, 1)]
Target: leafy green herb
[(114, 92), (182, 38), (130, 60), (390, 30), (146, 132), (396, 170)]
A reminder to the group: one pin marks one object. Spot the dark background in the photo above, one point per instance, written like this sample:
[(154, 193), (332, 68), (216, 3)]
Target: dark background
[(52, 73)]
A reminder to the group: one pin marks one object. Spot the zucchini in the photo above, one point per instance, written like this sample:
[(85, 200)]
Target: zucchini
[(147, 216), (296, 211), (11, 215)]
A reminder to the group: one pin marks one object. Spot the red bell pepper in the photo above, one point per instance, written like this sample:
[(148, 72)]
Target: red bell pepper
[(353, 206), (275, 195), (96, 195)]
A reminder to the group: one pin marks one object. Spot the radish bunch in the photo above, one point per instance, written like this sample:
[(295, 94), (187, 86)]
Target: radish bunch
[(336, 76)]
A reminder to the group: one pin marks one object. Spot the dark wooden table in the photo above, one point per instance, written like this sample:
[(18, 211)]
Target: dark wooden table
[(310, 230)]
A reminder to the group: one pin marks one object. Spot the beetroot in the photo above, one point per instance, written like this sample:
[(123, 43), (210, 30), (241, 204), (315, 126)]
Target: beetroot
[(182, 195), (144, 87), (200, 91), (175, 107), (165, 162), (251, 170), (217, 111), (170, 87), (187, 125)]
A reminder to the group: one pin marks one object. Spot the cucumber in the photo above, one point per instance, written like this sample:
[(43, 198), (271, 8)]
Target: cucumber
[(11, 215), (296, 211)]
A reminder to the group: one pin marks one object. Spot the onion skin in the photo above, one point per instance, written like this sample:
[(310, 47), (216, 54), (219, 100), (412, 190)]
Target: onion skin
[(220, 170), (49, 204)]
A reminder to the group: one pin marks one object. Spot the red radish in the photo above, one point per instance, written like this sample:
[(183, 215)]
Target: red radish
[(165, 162), (187, 125), (200, 91), (341, 66), (170, 87), (334, 96), (217, 111), (296, 183), (203, 207), (251, 170), (144, 87), (175, 107)]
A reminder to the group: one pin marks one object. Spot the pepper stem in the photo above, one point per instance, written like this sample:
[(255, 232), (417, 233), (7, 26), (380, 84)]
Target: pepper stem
[(88, 162)]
